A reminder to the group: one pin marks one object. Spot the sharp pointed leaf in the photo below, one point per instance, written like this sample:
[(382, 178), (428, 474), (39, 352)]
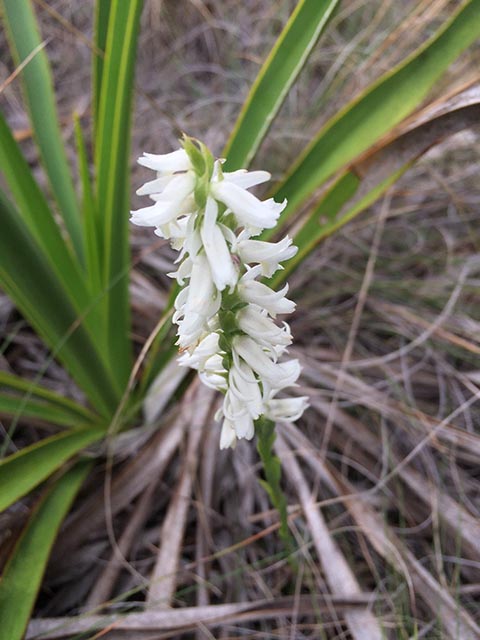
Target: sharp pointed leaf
[(275, 79), (21, 579), (24, 37), (25, 470)]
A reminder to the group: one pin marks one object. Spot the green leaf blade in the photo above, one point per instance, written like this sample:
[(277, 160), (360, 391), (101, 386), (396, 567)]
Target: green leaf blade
[(19, 397), (391, 99), (113, 167), (21, 579), (24, 38), (90, 219), (275, 79), (39, 220), (102, 17), (25, 470), (27, 277)]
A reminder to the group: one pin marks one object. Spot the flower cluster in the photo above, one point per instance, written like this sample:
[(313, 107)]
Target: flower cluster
[(225, 314)]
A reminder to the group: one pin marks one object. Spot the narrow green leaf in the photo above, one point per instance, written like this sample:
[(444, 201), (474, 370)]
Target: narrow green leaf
[(275, 79), (324, 219), (272, 468), (90, 223), (26, 275), (39, 219), (26, 565), (373, 174), (12, 406), (24, 37), (25, 470), (386, 103), (36, 390), (28, 398), (112, 160), (102, 16)]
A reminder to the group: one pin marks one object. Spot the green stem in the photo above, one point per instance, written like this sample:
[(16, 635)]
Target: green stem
[(265, 430)]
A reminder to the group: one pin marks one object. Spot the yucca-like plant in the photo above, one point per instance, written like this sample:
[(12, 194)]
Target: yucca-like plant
[(65, 260)]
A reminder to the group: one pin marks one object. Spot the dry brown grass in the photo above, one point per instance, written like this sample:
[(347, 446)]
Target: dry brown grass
[(381, 474)]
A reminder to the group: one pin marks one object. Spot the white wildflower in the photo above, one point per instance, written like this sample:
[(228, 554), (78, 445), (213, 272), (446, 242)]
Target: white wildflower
[(248, 209), (228, 436), (286, 409), (225, 315), (268, 254), (255, 292), (215, 245), (168, 162), (196, 304), (253, 321)]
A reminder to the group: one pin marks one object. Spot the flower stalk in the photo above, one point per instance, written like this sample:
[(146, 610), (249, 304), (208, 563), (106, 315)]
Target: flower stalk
[(273, 471)]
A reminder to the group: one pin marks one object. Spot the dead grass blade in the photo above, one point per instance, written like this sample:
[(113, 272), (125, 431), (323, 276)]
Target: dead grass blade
[(117, 561), (164, 576), (204, 504), (150, 462), (460, 524), (188, 618), (455, 620), (339, 576), (437, 432)]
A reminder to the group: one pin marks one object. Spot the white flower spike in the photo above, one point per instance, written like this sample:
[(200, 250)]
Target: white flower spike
[(225, 316)]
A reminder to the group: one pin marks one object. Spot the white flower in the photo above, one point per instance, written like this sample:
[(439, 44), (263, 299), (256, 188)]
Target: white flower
[(173, 202), (213, 374), (197, 303), (219, 257), (246, 179), (268, 254), (235, 351), (248, 209), (155, 186), (175, 161), (277, 375), (228, 436), (255, 292), (286, 409), (255, 323), (236, 411), (244, 386), (199, 357)]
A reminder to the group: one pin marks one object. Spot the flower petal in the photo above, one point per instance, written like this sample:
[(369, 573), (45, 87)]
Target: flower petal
[(247, 208), (246, 179), (258, 293), (175, 161), (228, 437), (219, 257), (154, 186), (286, 409), (268, 254)]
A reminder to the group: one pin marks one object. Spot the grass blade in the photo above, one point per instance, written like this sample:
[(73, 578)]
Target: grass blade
[(24, 570), (26, 398), (372, 175), (25, 470), (27, 277), (275, 79), (24, 37), (14, 406), (112, 164), (386, 103), (102, 16), (39, 220), (90, 218)]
